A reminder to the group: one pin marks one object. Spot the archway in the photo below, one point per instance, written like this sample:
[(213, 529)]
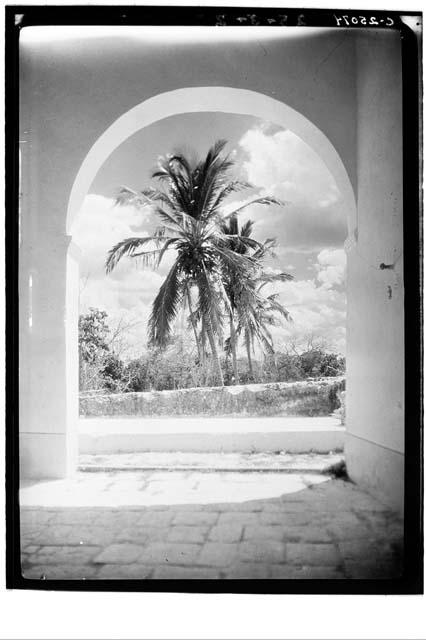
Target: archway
[(199, 99), (209, 99)]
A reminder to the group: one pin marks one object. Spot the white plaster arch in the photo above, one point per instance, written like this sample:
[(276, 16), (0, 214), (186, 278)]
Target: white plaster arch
[(209, 99)]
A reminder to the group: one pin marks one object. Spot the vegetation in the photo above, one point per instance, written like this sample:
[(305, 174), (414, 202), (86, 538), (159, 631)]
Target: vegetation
[(177, 366), (217, 281), (211, 255)]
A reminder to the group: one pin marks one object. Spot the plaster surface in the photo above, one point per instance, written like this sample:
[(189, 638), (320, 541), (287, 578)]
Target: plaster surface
[(296, 435)]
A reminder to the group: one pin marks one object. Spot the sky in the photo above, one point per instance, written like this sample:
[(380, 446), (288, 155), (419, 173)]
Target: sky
[(310, 229)]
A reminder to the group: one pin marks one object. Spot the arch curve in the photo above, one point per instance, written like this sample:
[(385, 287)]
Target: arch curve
[(209, 99)]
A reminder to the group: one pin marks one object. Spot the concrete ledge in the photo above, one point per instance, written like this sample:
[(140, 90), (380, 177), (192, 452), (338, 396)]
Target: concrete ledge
[(378, 470), (314, 397), (294, 435)]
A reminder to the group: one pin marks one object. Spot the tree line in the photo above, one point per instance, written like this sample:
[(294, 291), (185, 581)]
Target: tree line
[(177, 366)]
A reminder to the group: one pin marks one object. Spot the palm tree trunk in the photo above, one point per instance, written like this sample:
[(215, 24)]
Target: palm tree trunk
[(248, 348), (215, 356), (234, 349), (203, 351), (197, 339)]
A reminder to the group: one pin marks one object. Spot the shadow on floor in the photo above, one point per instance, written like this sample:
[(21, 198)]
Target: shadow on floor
[(324, 529)]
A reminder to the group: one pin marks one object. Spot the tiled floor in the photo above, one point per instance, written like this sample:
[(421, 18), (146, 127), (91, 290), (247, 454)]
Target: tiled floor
[(165, 524)]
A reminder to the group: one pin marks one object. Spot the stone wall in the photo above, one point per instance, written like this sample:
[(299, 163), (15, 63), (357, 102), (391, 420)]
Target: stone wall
[(308, 398)]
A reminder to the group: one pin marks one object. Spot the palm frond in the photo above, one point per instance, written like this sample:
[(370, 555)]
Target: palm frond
[(267, 278), (247, 229), (165, 307), (227, 190), (209, 300), (264, 200), (128, 247)]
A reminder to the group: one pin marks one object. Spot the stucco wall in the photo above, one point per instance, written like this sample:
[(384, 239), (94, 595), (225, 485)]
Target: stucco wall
[(307, 398), (375, 356)]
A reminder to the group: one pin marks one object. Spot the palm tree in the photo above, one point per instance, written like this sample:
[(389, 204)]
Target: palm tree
[(254, 312), (239, 292), (189, 209), (263, 316)]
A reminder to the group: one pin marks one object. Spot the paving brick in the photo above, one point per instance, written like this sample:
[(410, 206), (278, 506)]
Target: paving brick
[(156, 519), (226, 533), (346, 532), (290, 572), (195, 518), (141, 534), (30, 531), (64, 555), (59, 572), (217, 508), (59, 535), (168, 552), (31, 548), (191, 507), (94, 535), (292, 534), (312, 554), (287, 519), (267, 551), (314, 534), (360, 549), (292, 506), (119, 554), (124, 572), (380, 570), (238, 517), (345, 519), (74, 516), (218, 554), (117, 518), (184, 533), (251, 506), (185, 573), (263, 532), (35, 517), (248, 571)]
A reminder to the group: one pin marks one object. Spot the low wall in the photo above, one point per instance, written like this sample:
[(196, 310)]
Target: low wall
[(308, 398)]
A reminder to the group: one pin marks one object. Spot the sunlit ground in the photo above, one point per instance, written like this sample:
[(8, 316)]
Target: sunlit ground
[(111, 489)]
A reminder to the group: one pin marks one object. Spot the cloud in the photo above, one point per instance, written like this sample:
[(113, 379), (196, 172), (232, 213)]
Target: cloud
[(127, 293), (331, 267), (310, 231), (317, 305), (282, 165)]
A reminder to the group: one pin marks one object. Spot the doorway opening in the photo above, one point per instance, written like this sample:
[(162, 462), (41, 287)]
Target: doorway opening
[(303, 171)]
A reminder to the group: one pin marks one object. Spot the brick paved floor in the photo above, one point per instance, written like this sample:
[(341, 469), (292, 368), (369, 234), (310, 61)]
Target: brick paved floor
[(177, 525)]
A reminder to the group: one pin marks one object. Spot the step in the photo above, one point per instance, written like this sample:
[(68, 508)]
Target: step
[(228, 435), (210, 462)]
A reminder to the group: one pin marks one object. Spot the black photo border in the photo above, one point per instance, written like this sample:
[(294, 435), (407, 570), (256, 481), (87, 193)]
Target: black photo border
[(19, 16)]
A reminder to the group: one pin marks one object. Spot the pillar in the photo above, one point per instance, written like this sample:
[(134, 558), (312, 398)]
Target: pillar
[(375, 357), (48, 357)]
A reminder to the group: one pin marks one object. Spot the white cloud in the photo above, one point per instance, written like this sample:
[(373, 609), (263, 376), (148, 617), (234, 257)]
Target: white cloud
[(331, 267), (316, 306), (100, 225), (282, 165), (126, 293)]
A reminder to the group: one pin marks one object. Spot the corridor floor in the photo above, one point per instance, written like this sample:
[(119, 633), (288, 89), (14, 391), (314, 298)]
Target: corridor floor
[(192, 524)]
